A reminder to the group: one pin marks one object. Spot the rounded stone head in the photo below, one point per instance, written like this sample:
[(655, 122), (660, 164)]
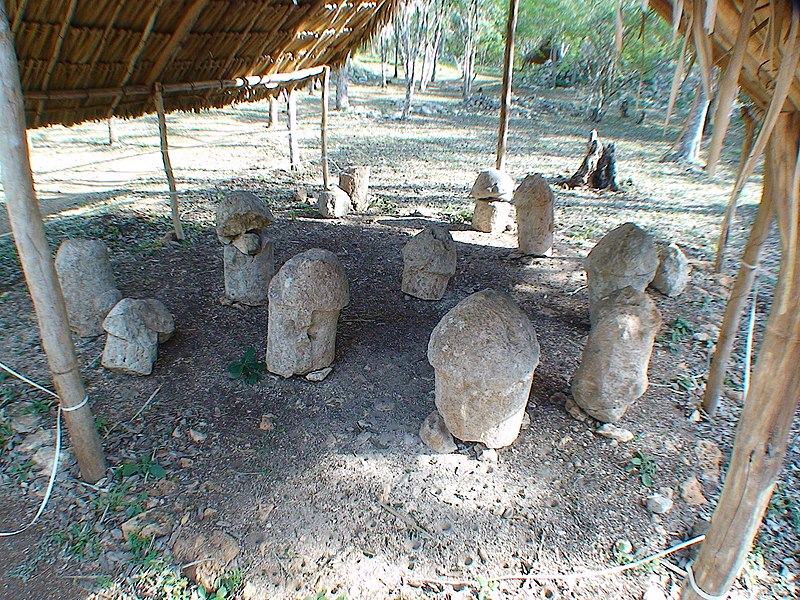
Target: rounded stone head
[(241, 212), (313, 279), (493, 183), (485, 337), (432, 250)]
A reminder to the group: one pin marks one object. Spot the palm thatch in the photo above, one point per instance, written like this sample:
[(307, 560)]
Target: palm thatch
[(81, 60)]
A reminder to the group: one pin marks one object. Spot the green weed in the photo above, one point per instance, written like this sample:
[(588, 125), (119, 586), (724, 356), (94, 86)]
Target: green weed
[(80, 542), (145, 466), (644, 467), (6, 432), (39, 406), (248, 367), (21, 471), (226, 585)]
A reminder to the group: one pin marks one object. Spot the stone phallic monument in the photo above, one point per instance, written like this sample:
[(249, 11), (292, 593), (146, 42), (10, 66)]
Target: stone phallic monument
[(88, 284), (248, 254), (534, 202), (355, 183), (334, 203), (135, 329), (613, 370), (673, 270), (625, 256), (484, 352), (493, 191), (305, 298), (429, 261)]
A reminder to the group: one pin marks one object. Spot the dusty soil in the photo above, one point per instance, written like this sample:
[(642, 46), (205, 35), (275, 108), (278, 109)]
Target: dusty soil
[(325, 487)]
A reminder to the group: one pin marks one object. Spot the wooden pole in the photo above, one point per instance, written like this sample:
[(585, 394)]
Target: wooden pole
[(273, 112), (505, 99), (294, 146), (738, 298), (37, 263), (326, 92), (173, 191), (766, 421)]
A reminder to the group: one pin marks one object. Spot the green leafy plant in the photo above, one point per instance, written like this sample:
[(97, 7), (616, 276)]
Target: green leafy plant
[(144, 554), (485, 588), (325, 595), (226, 585), (6, 432), (684, 382), (248, 367), (145, 466), (39, 406), (79, 542), (21, 471), (644, 466)]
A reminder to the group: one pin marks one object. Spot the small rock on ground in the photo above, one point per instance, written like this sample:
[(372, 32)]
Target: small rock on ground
[(319, 375), (615, 433), (435, 435)]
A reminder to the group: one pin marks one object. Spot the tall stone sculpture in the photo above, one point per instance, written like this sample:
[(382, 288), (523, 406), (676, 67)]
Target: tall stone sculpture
[(305, 298), (492, 190), (87, 281), (248, 253), (484, 352), (535, 215), (429, 261), (135, 329)]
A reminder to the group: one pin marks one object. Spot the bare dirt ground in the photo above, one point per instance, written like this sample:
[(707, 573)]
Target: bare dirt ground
[(324, 488)]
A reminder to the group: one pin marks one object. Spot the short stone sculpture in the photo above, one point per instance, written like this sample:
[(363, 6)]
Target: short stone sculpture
[(355, 183), (484, 352), (429, 261), (305, 298), (248, 254), (613, 370), (87, 281), (493, 191), (534, 202), (626, 256), (135, 329), (672, 273), (334, 203)]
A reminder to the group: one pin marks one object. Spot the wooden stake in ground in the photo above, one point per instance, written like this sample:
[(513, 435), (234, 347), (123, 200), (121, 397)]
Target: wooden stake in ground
[(273, 112), (37, 263), (326, 92), (173, 191), (294, 145), (765, 424), (505, 97), (736, 302)]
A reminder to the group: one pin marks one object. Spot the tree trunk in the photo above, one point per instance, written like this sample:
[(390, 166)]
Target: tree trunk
[(294, 143), (469, 50), (764, 427), (383, 62), (687, 147), (429, 60), (112, 135), (505, 98), (342, 98), (396, 51), (409, 88), (273, 112)]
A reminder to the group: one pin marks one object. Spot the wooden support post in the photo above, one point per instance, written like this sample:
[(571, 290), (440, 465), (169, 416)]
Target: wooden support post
[(739, 294), (294, 145), (505, 98), (37, 263), (273, 112), (173, 191), (326, 85), (766, 421)]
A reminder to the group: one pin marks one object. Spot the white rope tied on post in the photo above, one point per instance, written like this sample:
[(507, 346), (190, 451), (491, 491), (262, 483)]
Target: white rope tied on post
[(696, 588), (56, 455)]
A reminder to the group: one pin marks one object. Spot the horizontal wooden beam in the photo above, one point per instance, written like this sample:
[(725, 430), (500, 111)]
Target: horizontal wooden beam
[(273, 81)]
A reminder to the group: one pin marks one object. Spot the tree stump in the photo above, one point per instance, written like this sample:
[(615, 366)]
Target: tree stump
[(599, 166)]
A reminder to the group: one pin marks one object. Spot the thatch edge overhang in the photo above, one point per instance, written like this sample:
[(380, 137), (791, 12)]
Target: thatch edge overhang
[(100, 59)]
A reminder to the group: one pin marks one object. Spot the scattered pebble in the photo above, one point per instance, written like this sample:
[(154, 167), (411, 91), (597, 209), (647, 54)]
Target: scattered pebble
[(611, 431), (434, 434), (197, 436), (267, 422), (319, 375), (659, 504), (692, 492)]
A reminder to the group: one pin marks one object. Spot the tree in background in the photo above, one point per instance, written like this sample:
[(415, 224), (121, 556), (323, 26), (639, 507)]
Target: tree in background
[(342, 97)]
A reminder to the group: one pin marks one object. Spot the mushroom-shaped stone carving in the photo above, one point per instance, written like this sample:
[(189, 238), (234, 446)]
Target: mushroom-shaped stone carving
[(491, 216), (135, 329), (625, 256), (88, 284), (673, 270), (534, 201), (248, 253), (334, 203), (429, 261), (494, 184), (613, 370), (305, 298), (484, 352)]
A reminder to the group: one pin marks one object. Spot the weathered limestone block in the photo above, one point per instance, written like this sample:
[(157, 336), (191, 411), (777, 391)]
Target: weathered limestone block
[(534, 202), (247, 252), (88, 284), (429, 261), (493, 184), (135, 329), (626, 256), (305, 298), (491, 216), (484, 352), (247, 274), (613, 369), (241, 212), (672, 274), (334, 203), (354, 181)]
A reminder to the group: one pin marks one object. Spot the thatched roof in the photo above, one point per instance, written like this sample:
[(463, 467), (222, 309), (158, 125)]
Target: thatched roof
[(90, 59)]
